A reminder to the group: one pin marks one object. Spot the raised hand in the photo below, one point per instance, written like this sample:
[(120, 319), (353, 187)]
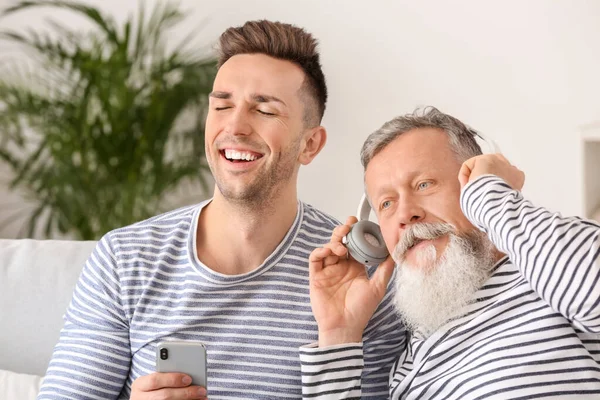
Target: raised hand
[(342, 296), (495, 164)]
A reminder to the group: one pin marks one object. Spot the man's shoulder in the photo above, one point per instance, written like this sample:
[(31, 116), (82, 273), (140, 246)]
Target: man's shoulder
[(163, 227), (318, 218)]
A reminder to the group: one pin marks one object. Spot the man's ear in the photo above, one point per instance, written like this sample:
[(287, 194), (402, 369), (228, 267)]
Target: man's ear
[(312, 143)]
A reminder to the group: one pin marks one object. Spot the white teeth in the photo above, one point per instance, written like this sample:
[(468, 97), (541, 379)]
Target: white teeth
[(237, 155)]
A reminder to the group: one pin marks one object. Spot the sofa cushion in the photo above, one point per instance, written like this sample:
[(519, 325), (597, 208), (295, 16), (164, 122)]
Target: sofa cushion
[(19, 386), (37, 279)]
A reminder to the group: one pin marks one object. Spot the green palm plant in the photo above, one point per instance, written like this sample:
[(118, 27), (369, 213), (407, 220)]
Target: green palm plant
[(108, 123)]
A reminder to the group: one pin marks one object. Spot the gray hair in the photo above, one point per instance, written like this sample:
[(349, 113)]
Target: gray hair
[(461, 137)]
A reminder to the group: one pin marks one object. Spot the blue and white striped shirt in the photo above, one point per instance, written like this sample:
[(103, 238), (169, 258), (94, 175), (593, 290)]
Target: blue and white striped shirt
[(144, 283), (533, 331)]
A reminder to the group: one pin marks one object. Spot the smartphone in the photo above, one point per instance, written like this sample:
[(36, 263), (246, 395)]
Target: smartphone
[(185, 357)]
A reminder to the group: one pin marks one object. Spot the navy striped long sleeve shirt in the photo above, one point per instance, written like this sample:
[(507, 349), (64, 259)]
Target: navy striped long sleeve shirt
[(144, 283), (533, 331)]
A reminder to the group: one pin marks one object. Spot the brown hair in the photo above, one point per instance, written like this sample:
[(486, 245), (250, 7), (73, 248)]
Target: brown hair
[(285, 42)]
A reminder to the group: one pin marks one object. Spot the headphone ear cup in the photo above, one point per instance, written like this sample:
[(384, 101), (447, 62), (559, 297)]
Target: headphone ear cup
[(365, 243)]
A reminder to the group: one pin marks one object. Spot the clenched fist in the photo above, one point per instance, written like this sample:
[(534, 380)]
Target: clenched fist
[(494, 164)]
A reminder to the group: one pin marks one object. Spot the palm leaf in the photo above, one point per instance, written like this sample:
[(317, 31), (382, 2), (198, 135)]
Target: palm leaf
[(114, 123), (103, 22)]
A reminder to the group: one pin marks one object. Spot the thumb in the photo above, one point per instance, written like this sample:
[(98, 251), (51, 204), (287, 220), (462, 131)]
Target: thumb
[(381, 278), (465, 172)]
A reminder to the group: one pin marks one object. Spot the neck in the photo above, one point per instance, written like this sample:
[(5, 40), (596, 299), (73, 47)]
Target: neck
[(234, 238)]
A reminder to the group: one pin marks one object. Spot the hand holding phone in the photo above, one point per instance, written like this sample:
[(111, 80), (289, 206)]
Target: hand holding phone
[(166, 385), (181, 373), (185, 357)]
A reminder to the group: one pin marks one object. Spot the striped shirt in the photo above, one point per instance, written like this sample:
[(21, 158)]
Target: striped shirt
[(533, 331), (144, 283)]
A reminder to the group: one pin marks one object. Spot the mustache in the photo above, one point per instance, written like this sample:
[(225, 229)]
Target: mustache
[(418, 233)]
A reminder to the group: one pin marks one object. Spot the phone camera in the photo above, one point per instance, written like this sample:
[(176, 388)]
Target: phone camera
[(164, 354)]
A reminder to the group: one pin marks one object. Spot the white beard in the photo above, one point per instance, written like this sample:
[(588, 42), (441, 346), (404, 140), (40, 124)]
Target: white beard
[(432, 293)]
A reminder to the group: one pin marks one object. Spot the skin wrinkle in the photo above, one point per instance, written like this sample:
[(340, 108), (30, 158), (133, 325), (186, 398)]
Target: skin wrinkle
[(417, 200), (278, 140)]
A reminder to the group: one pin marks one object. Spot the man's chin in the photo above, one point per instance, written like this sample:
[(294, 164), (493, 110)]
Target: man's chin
[(241, 193), (425, 268), (433, 290), (424, 301)]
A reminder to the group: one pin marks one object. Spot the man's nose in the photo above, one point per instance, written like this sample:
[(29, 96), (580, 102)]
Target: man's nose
[(409, 212), (238, 123)]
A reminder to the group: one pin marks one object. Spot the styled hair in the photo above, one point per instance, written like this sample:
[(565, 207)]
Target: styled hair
[(284, 42), (461, 137)]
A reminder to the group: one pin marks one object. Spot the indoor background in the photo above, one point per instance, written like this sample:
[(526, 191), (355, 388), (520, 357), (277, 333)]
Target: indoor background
[(526, 73)]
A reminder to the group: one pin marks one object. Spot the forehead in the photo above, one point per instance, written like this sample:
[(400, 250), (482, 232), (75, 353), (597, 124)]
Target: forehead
[(259, 73), (419, 152)]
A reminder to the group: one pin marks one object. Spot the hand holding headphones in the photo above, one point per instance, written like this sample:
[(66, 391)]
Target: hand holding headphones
[(343, 295)]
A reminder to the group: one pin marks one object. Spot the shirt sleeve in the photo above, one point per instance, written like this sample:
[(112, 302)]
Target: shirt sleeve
[(356, 370), (332, 372), (92, 357), (559, 256)]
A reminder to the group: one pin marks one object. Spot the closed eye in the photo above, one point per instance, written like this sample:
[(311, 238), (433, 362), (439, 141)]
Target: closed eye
[(265, 112), (221, 108)]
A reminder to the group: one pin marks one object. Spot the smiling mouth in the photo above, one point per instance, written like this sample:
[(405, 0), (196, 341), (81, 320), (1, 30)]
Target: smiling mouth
[(235, 156)]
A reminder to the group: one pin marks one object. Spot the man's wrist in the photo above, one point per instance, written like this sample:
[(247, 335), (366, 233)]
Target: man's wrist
[(334, 337)]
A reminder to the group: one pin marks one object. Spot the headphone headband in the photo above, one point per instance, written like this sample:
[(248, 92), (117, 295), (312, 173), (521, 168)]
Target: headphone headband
[(364, 208), (492, 146)]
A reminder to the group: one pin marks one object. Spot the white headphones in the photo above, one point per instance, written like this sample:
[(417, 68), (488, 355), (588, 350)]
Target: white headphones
[(365, 242)]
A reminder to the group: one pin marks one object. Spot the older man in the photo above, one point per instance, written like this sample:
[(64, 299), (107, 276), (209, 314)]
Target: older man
[(501, 298)]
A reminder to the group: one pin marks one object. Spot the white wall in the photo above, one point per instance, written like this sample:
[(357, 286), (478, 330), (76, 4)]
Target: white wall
[(524, 72)]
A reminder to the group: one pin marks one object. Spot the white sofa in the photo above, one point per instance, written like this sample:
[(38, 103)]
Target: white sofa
[(37, 278)]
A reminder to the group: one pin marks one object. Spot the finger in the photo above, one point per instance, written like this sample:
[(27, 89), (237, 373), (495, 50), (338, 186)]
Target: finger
[(316, 258), (383, 274), (192, 392), (465, 172), (339, 232), (331, 260), (351, 221), (501, 156), (159, 380), (521, 179), (337, 248)]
